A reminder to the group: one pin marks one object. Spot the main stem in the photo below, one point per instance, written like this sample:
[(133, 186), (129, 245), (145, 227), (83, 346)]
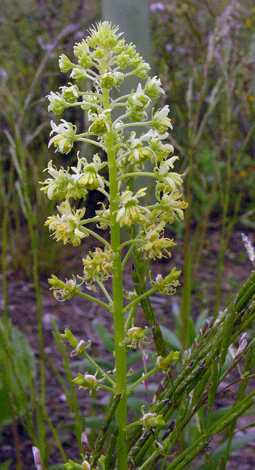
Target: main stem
[(118, 314)]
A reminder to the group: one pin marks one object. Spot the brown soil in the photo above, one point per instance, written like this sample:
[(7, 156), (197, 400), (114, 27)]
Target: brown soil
[(78, 315)]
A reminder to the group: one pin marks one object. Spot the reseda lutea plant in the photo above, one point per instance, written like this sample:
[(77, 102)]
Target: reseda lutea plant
[(106, 60)]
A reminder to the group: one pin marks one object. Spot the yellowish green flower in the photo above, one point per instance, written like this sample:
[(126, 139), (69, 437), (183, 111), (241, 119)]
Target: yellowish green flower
[(67, 226), (135, 337), (98, 265), (167, 285), (104, 35), (111, 79), (130, 212), (154, 243), (171, 207), (89, 176), (138, 153), (86, 465), (160, 150), (88, 102), (78, 73), (57, 103), (167, 181), (153, 88), (100, 123), (65, 185), (65, 64), (80, 48), (56, 187), (160, 120), (70, 93), (85, 61), (105, 215), (142, 70), (64, 290), (65, 136), (137, 103)]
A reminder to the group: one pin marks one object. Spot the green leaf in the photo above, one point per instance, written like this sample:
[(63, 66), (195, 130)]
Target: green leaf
[(17, 371), (201, 319), (104, 334), (171, 339)]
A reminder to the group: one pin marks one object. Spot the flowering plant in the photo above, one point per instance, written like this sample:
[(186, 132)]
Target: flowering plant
[(106, 60)]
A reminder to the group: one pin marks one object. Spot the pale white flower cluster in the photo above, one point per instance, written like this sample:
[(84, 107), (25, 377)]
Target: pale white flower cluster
[(106, 60)]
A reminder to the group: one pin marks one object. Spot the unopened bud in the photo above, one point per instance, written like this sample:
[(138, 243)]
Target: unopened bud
[(86, 381), (85, 444), (37, 458), (65, 64), (164, 362), (151, 420), (68, 335)]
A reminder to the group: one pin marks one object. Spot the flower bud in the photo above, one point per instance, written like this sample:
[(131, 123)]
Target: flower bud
[(80, 48), (99, 127), (136, 334), (99, 53), (78, 74), (37, 458), (57, 103), (86, 381), (85, 61), (71, 465), (107, 81), (123, 60), (86, 465), (142, 70), (164, 362), (70, 93), (68, 335), (151, 420), (65, 64)]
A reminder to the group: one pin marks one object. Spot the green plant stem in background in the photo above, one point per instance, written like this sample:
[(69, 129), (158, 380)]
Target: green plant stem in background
[(208, 349), (5, 199)]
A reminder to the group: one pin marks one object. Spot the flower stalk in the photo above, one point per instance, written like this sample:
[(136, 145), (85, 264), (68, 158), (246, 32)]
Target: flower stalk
[(106, 60)]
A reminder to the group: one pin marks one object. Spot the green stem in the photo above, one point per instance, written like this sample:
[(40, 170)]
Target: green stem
[(98, 368), (130, 317), (117, 310), (101, 285), (94, 234), (144, 377), (128, 254), (93, 299), (138, 299), (135, 174), (108, 389), (131, 242)]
